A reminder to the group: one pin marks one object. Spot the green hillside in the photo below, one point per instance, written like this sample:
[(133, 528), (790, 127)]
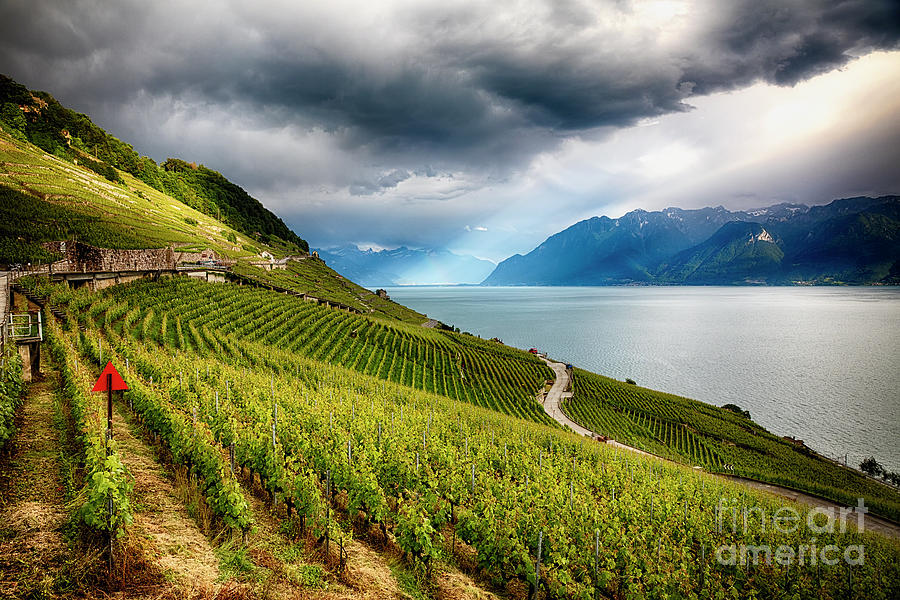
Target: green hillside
[(61, 200), (738, 252), (39, 118), (346, 454)]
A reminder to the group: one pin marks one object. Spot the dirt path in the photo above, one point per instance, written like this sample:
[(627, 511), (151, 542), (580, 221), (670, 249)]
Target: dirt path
[(556, 395), (32, 548), (169, 536)]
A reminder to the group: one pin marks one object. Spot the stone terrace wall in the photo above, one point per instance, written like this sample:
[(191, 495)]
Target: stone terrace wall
[(194, 257), (81, 258)]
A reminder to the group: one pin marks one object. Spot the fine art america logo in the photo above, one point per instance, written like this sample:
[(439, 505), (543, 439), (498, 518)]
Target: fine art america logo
[(732, 515)]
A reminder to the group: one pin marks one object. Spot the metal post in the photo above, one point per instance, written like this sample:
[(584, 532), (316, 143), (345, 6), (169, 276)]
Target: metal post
[(109, 433), (109, 437)]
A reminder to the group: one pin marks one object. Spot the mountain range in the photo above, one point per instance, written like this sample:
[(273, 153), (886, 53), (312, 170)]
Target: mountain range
[(405, 266), (851, 240)]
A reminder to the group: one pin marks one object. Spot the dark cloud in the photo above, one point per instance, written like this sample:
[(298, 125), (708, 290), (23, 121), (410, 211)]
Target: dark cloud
[(461, 80), (417, 90), (786, 42)]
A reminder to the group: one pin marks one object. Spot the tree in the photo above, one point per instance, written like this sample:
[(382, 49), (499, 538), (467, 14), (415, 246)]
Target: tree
[(737, 410), (870, 466), (12, 116)]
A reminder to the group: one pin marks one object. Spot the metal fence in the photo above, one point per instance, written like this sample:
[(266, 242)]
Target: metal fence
[(24, 326)]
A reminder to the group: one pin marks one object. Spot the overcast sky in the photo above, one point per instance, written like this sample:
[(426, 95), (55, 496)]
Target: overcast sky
[(483, 126)]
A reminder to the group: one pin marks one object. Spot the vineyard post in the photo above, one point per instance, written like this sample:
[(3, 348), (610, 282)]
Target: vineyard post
[(596, 563), (473, 478), (327, 512), (231, 456), (109, 437), (217, 401), (702, 564), (537, 565)]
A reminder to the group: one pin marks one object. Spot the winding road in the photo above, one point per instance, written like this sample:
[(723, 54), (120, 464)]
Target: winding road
[(555, 397), (552, 407)]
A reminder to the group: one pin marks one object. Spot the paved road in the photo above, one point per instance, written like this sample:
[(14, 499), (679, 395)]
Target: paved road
[(556, 395)]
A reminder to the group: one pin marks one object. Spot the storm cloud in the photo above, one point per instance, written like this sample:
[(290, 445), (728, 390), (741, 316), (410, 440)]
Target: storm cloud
[(311, 104)]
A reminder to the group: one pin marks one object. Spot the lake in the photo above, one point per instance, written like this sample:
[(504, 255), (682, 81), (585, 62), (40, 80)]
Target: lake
[(820, 364)]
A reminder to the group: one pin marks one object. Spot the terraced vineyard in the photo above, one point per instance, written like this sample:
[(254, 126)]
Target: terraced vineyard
[(183, 314), (717, 439), (210, 368)]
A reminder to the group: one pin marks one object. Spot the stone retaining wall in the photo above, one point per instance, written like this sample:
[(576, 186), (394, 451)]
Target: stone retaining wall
[(82, 258)]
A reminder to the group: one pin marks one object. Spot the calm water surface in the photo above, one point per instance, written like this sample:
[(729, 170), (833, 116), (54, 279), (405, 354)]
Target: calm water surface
[(821, 364)]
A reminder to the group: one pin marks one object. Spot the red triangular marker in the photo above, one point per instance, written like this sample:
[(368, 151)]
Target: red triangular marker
[(117, 382)]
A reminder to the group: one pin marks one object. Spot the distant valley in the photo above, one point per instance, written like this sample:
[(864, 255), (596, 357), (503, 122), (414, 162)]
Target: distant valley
[(405, 266), (850, 241)]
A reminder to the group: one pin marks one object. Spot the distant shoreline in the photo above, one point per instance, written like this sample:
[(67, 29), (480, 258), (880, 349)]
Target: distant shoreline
[(637, 284)]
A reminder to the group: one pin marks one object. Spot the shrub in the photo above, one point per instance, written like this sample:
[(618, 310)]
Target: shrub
[(737, 410), (872, 467)]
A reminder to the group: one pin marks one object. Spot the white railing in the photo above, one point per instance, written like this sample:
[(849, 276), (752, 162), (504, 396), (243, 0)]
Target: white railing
[(24, 326)]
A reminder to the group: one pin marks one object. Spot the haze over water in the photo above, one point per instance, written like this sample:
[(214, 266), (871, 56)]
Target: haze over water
[(820, 364)]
